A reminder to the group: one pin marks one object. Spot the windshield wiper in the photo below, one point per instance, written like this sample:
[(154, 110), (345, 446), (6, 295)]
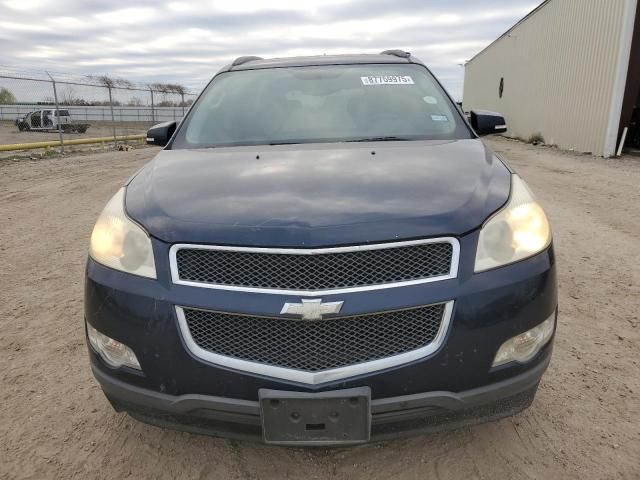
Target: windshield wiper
[(380, 139)]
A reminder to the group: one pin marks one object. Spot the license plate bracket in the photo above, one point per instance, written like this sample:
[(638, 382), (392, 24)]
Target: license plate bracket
[(338, 417)]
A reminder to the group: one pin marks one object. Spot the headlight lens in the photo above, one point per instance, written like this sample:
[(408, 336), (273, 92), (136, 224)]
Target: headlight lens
[(525, 346), (119, 243), (114, 353), (518, 231)]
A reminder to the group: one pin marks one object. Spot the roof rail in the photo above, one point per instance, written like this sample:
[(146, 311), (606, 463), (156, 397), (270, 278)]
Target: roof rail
[(396, 53), (241, 60)]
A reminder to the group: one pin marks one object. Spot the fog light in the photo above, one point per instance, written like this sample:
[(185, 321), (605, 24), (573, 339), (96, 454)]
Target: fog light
[(114, 353), (525, 346)]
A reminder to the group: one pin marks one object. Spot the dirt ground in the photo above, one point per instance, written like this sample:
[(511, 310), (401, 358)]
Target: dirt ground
[(584, 423)]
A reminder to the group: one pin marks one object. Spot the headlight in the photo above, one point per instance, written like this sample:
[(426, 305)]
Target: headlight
[(119, 243), (518, 231)]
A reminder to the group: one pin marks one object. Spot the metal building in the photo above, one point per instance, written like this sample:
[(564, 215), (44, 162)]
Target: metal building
[(569, 71)]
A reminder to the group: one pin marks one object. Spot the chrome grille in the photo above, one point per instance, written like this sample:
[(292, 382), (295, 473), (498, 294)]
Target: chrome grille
[(314, 345), (315, 270)]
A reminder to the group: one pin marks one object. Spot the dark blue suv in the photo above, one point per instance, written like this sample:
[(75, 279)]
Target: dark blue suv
[(323, 253)]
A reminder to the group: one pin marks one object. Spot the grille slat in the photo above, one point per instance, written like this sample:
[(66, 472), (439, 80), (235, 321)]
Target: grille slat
[(314, 345), (322, 271)]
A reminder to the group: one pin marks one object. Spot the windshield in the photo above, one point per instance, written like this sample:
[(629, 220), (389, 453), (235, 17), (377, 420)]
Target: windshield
[(321, 104)]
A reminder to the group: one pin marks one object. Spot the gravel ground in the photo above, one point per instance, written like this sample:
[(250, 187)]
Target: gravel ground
[(584, 423)]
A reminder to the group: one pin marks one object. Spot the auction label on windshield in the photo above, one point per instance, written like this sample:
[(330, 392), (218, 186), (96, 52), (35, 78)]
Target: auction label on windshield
[(387, 80)]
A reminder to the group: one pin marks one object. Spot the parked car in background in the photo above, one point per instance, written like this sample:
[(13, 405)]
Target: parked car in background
[(50, 120), (323, 253)]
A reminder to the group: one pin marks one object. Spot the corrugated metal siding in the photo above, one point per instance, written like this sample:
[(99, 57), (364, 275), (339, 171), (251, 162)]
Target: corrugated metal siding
[(558, 67)]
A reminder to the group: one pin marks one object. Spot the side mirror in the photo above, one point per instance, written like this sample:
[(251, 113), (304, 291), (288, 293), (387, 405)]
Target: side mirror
[(161, 133), (486, 123)]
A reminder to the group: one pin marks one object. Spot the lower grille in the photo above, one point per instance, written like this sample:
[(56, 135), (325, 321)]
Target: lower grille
[(314, 346)]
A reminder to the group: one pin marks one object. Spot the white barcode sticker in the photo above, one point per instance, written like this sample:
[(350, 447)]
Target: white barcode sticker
[(387, 80)]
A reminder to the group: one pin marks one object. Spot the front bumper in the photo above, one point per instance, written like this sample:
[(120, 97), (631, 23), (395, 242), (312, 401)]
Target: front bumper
[(391, 417), (454, 385)]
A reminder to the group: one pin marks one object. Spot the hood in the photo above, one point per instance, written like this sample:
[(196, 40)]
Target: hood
[(318, 194)]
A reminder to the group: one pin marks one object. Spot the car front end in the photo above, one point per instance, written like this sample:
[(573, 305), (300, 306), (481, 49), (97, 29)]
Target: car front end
[(322, 293)]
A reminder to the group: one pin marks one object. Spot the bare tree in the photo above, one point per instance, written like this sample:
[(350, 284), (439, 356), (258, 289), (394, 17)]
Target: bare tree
[(180, 90), (167, 88), (6, 96), (110, 82), (69, 97)]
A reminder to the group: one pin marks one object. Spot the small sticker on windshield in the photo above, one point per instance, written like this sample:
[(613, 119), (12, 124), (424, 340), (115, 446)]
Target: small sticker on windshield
[(387, 80), (439, 118), (430, 100)]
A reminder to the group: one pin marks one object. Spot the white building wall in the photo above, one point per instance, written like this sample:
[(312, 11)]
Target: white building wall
[(560, 67)]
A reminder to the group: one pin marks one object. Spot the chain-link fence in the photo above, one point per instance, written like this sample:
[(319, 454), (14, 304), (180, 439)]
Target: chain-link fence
[(61, 113)]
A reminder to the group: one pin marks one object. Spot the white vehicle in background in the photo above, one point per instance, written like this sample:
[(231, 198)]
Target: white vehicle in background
[(48, 120)]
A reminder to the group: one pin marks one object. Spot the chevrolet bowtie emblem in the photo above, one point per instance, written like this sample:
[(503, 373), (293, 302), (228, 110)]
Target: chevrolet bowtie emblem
[(311, 309)]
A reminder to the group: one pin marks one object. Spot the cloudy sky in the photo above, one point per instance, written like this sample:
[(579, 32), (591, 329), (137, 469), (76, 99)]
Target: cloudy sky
[(187, 41)]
